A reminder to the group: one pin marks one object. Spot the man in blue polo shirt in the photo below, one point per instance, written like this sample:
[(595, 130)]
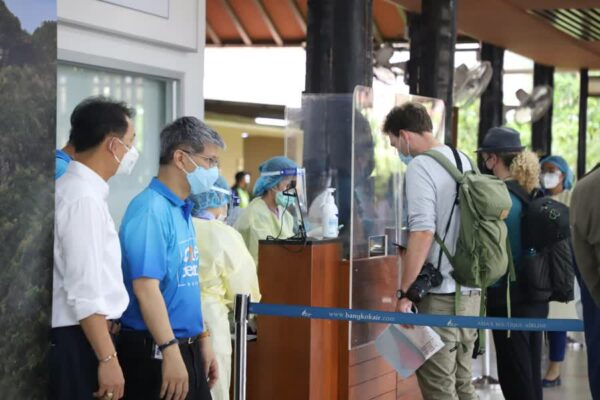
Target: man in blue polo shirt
[(63, 157), (164, 346)]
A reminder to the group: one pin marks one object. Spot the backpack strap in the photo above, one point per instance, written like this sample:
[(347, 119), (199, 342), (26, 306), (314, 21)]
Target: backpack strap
[(444, 162), (457, 173), (516, 189)]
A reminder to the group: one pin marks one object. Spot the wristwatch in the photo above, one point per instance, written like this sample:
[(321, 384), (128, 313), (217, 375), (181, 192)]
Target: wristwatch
[(400, 294)]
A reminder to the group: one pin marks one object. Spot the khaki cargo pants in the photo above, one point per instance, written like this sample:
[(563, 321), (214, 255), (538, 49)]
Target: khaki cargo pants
[(447, 374)]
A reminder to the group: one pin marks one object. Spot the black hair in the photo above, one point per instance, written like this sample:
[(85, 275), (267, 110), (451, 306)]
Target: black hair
[(95, 118), (411, 117), (240, 176)]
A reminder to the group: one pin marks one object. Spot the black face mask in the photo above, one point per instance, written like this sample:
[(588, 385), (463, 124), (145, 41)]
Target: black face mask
[(484, 169)]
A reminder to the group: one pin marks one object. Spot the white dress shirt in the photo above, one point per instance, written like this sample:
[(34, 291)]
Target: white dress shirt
[(87, 255)]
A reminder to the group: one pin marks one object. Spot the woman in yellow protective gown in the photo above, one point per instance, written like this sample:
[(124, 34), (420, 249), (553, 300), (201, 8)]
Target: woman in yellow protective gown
[(267, 216), (226, 269)]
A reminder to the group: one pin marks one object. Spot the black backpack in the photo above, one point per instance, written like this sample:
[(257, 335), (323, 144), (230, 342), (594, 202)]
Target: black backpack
[(548, 262)]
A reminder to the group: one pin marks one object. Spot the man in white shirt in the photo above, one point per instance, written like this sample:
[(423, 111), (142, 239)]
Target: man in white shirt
[(430, 195), (88, 289)]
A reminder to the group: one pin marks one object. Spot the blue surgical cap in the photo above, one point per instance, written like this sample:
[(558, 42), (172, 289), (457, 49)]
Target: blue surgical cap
[(274, 164), (561, 164), (212, 198)]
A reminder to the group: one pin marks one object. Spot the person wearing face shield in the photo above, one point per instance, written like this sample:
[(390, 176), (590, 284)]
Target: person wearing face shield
[(226, 269), (557, 181), (267, 216), (88, 291), (165, 345)]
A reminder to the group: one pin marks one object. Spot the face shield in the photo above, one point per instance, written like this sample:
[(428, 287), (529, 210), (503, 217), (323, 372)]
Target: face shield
[(224, 197), (295, 184)]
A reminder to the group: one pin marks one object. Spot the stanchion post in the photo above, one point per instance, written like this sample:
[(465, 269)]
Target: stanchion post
[(241, 340), (486, 380)]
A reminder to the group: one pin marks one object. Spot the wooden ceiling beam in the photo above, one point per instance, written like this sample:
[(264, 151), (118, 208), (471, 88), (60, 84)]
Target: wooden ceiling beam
[(268, 22), (213, 35), (237, 23), (298, 15)]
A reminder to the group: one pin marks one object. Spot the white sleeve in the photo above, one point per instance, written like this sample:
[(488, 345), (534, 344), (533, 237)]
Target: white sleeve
[(421, 197), (81, 230)]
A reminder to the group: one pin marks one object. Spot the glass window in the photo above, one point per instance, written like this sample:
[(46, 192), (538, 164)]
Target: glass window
[(152, 99)]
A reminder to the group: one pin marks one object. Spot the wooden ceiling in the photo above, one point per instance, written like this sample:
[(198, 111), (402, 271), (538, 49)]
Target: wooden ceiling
[(526, 27)]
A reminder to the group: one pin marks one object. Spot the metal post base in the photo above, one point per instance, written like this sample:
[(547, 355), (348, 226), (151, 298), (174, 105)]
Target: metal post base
[(486, 382)]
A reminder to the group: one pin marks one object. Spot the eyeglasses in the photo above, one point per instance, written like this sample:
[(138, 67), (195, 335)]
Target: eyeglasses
[(212, 161)]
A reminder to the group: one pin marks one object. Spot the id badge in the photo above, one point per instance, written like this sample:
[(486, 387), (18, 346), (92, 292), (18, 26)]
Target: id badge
[(156, 353)]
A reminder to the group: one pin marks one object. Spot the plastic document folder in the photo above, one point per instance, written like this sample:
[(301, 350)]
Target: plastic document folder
[(407, 349)]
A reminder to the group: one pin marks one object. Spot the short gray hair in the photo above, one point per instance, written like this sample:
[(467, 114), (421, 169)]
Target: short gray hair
[(188, 134)]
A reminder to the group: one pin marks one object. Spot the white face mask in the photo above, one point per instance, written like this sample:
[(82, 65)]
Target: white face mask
[(128, 161), (550, 180)]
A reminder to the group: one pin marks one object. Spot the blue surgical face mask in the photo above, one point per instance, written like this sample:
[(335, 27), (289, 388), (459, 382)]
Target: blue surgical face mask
[(201, 179), (405, 159), (283, 200)]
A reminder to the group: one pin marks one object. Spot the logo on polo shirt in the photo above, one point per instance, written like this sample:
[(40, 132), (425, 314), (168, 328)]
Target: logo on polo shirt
[(188, 275)]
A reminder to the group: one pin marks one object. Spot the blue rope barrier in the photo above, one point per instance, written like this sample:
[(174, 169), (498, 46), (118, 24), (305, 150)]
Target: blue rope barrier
[(384, 317)]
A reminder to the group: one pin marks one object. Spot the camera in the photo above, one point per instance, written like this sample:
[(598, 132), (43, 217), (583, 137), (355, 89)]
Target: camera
[(428, 278)]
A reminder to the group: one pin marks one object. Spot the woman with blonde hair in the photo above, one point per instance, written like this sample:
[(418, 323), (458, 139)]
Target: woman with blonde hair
[(519, 356)]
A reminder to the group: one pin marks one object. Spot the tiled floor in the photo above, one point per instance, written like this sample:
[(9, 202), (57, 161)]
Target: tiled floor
[(574, 377)]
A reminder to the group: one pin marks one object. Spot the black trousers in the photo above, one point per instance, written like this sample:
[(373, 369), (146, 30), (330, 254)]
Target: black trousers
[(73, 365), (143, 373), (519, 357)]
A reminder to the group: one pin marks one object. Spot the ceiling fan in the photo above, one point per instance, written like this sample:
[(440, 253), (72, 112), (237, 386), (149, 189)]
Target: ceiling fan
[(532, 106), (470, 83)]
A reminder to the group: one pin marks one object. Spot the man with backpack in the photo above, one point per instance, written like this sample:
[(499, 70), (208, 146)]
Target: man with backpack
[(446, 279)]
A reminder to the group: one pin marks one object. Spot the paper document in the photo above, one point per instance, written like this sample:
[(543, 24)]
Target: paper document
[(407, 349)]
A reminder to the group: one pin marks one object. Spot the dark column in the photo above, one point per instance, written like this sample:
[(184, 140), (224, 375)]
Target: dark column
[(28, 126), (582, 142), (491, 111), (432, 42), (338, 58), (339, 45), (541, 130)]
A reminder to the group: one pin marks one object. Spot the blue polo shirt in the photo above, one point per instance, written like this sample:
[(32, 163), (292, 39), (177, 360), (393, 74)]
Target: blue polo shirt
[(158, 241), (62, 161)]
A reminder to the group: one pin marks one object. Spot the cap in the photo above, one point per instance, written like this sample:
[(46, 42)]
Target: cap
[(501, 139)]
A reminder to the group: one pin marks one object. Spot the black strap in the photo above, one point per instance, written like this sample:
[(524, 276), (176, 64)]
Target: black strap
[(516, 189), (459, 165)]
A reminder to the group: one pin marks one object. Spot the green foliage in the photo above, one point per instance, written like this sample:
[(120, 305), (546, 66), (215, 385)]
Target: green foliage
[(468, 125), (565, 123), (27, 132)]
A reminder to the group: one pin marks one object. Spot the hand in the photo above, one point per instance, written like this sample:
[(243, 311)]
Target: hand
[(211, 367), (111, 383), (404, 305), (175, 381)]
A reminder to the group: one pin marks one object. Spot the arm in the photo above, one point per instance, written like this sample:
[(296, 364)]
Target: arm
[(239, 271), (419, 244), (588, 263), (175, 377), (421, 200), (83, 264), (145, 260), (110, 375)]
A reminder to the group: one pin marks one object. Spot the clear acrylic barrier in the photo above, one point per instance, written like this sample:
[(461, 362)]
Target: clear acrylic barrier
[(377, 205), (337, 139), (318, 139)]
